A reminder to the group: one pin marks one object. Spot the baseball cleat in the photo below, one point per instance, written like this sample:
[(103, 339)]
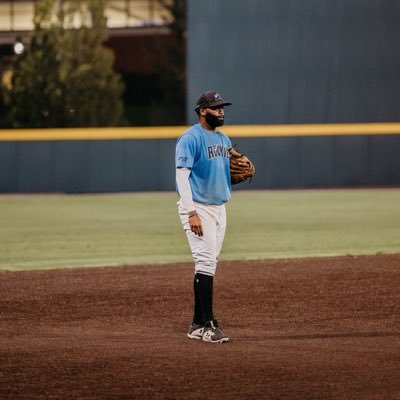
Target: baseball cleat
[(195, 332), (213, 334)]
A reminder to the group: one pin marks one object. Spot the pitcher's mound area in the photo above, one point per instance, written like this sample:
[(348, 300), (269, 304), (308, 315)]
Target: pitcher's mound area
[(321, 328)]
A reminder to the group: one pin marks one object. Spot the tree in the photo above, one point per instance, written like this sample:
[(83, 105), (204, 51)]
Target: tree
[(66, 77)]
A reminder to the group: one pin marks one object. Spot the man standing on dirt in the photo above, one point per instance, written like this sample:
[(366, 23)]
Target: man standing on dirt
[(204, 185)]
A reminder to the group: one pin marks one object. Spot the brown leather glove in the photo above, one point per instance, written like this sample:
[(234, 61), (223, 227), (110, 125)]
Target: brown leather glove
[(241, 167)]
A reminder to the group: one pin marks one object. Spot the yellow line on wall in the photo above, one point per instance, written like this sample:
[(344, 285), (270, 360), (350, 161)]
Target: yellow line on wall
[(172, 132), (162, 132), (314, 129)]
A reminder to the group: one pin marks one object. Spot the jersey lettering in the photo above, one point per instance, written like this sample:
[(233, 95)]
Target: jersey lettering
[(217, 150)]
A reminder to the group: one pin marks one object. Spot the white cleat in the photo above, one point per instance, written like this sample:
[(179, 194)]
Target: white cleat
[(213, 334), (195, 332)]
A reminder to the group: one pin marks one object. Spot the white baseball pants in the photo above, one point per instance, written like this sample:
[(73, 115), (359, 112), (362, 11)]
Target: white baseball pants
[(205, 249)]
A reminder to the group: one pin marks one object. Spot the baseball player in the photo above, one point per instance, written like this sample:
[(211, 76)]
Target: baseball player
[(204, 186)]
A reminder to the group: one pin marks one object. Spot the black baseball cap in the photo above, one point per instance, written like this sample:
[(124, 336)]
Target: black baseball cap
[(211, 99)]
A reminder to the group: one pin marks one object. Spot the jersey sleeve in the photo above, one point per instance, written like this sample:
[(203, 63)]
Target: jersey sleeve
[(185, 151)]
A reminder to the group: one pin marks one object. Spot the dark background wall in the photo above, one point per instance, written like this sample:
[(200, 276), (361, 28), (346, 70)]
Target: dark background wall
[(151, 65), (278, 61), (291, 61), (87, 166), (90, 166)]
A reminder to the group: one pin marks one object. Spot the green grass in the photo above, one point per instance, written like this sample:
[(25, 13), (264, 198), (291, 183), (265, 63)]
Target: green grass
[(56, 231)]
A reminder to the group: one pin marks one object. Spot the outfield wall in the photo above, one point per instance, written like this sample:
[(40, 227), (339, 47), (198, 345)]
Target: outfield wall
[(296, 62), (142, 159)]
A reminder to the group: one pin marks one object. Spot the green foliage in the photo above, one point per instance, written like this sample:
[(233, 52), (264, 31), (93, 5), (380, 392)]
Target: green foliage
[(66, 77)]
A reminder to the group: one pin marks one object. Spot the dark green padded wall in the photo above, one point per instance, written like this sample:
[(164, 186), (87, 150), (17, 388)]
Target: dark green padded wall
[(292, 61), (148, 165)]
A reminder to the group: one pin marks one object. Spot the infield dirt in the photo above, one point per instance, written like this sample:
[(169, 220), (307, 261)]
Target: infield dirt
[(321, 328)]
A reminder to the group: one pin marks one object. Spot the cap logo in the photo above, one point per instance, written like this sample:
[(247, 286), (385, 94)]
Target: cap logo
[(217, 97)]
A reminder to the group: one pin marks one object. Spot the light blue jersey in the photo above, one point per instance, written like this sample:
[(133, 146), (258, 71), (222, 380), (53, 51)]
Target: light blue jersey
[(206, 154)]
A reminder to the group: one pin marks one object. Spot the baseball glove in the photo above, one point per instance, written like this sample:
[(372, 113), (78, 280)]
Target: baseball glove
[(241, 167)]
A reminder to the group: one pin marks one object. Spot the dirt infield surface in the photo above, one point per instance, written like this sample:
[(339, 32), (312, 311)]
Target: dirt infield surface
[(323, 328)]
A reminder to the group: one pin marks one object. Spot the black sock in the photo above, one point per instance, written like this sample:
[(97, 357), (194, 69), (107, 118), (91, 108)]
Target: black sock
[(204, 289), (198, 314)]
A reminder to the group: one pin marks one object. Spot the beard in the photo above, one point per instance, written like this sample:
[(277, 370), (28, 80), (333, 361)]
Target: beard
[(213, 121)]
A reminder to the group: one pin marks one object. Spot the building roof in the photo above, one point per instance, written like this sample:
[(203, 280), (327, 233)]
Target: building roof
[(123, 17)]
